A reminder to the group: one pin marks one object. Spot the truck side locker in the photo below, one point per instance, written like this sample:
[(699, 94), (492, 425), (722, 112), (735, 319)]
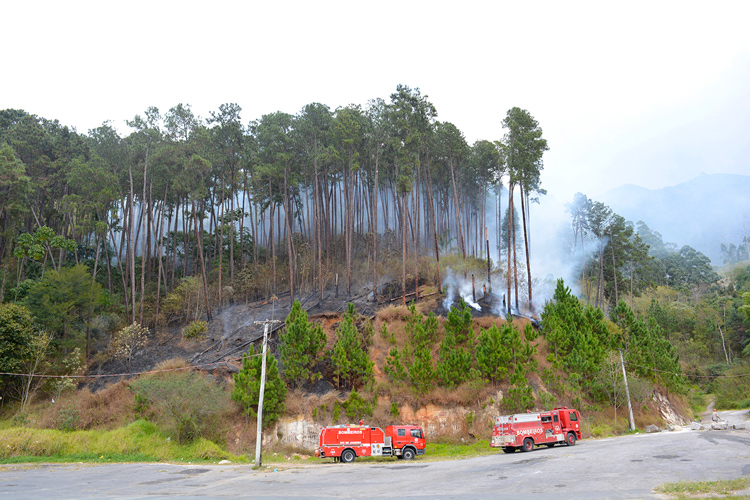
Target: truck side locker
[(387, 447)]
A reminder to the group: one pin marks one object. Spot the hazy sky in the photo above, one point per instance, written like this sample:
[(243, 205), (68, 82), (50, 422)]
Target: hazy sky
[(650, 93)]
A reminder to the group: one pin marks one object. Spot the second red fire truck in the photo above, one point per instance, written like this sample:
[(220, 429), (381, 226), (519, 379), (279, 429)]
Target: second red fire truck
[(347, 442), (523, 431)]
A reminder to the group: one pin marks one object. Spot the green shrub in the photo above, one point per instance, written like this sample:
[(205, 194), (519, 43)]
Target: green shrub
[(733, 390), (186, 404), (601, 430), (395, 412), (196, 330), (67, 419)]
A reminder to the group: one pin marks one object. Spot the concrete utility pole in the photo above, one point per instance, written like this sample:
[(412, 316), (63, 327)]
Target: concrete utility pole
[(627, 392), (259, 437)]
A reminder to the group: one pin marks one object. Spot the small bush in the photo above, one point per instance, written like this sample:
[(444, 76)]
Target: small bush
[(196, 330), (186, 404), (126, 342), (67, 419), (395, 412), (601, 430)]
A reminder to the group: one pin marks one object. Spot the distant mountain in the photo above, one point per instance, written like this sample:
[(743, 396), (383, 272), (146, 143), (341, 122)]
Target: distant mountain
[(703, 212)]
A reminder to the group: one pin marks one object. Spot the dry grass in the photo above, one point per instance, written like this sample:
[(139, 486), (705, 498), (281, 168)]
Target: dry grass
[(298, 402), (172, 364), (109, 408), (241, 433)]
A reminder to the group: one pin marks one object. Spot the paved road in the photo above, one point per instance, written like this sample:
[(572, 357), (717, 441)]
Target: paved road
[(618, 468)]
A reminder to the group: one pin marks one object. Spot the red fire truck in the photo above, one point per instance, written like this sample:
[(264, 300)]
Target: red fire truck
[(524, 430), (347, 442)]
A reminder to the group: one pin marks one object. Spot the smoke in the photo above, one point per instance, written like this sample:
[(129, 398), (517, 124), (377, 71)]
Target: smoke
[(553, 253), (458, 287)]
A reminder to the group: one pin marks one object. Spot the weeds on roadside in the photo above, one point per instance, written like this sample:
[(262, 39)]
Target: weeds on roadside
[(706, 489)]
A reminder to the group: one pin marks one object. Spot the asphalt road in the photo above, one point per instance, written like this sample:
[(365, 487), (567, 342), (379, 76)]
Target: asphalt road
[(626, 467)]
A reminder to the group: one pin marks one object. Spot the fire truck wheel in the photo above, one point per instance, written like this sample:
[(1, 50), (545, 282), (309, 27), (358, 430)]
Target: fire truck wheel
[(528, 444), (348, 456), (508, 449), (408, 454), (570, 439)]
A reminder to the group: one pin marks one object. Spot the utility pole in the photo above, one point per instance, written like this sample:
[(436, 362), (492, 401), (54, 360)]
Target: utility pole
[(259, 438), (627, 392)]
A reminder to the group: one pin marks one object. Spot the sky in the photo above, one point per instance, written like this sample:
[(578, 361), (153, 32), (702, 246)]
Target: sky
[(648, 93)]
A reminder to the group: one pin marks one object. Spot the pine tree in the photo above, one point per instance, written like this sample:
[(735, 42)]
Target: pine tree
[(300, 346), (493, 356), (350, 359), (455, 365), (394, 368), (459, 322), (247, 387), (421, 371)]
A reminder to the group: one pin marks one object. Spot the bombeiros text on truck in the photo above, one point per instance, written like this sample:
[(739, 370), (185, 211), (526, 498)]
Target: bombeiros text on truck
[(347, 442), (523, 431)]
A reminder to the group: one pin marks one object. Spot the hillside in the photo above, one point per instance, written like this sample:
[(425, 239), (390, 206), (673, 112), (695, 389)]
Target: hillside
[(702, 212)]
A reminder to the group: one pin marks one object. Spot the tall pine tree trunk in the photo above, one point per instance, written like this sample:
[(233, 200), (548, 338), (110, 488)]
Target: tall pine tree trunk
[(198, 241), (526, 243)]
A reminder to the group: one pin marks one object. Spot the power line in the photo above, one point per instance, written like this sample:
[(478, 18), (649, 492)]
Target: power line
[(129, 374)]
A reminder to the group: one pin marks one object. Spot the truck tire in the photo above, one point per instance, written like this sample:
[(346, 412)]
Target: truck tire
[(528, 445), (408, 453), (348, 456), (570, 439), (508, 449)]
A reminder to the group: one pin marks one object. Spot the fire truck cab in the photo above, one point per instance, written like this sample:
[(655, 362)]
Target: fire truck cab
[(346, 442), (523, 431)]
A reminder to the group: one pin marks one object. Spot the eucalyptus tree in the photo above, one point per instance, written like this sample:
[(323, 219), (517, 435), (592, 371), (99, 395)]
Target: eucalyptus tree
[(524, 148)]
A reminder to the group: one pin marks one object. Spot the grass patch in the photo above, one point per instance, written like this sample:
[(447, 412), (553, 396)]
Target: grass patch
[(450, 451), (139, 441), (724, 488)]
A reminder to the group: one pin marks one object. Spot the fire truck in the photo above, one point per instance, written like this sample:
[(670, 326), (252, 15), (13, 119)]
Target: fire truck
[(524, 430), (346, 442)]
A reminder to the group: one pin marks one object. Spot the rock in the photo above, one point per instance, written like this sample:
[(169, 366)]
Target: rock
[(224, 462), (739, 426), (652, 428), (696, 426), (719, 426), (667, 410), (673, 428)]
